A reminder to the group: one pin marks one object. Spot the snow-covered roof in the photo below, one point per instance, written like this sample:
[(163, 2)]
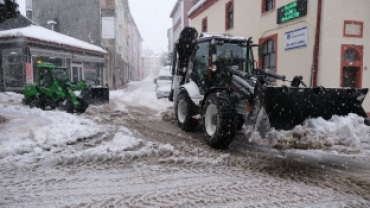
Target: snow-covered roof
[(43, 34), (197, 6)]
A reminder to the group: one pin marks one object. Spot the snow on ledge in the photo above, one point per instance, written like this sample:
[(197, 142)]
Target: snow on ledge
[(43, 34), (197, 6)]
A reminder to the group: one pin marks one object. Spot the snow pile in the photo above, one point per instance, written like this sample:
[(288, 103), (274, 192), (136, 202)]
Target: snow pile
[(28, 130), (11, 97), (123, 140), (342, 134), (142, 93), (43, 34)]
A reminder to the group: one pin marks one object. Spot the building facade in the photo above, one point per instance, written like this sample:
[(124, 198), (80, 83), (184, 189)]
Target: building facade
[(152, 64), (325, 41), (134, 51), (180, 18), (170, 39), (101, 22)]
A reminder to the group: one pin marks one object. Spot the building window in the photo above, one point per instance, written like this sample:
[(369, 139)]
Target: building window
[(269, 54), (204, 25), (353, 29), (352, 66), (229, 15), (350, 55), (268, 5)]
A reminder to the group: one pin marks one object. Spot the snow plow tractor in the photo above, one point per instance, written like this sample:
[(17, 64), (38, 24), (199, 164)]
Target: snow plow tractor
[(53, 89), (215, 82)]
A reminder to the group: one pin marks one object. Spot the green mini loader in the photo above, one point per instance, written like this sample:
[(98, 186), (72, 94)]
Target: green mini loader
[(53, 89)]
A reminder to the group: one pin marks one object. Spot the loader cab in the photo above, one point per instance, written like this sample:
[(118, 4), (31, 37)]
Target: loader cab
[(211, 55)]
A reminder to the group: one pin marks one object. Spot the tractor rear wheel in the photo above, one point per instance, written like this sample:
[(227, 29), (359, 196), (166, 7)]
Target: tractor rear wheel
[(219, 121), (184, 111)]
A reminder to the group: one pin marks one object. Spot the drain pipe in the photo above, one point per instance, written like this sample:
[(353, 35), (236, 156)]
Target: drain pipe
[(317, 45)]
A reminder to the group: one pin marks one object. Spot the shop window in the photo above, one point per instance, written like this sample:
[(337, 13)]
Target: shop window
[(204, 25), (229, 15), (13, 68), (268, 5)]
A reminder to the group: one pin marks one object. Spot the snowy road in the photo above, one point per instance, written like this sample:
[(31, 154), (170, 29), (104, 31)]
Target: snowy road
[(130, 153)]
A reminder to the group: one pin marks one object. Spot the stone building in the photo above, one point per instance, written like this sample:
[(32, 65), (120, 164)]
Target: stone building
[(101, 22)]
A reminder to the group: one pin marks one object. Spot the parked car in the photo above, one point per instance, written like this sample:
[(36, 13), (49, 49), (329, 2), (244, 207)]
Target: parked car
[(163, 84)]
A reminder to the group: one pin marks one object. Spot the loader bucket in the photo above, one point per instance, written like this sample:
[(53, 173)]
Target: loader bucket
[(287, 107), (95, 95)]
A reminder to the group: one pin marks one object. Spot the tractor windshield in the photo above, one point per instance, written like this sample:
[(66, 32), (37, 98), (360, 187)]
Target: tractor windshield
[(234, 55), (61, 74)]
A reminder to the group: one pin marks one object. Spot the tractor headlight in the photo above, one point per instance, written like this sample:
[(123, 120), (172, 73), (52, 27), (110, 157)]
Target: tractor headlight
[(214, 68)]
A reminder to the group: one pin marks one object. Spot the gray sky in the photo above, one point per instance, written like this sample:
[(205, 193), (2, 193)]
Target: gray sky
[(152, 17)]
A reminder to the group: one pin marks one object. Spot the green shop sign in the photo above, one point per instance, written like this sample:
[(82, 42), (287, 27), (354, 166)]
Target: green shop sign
[(291, 11)]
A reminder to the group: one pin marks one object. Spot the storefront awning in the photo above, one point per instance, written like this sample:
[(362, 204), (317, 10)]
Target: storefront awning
[(48, 53), (88, 58)]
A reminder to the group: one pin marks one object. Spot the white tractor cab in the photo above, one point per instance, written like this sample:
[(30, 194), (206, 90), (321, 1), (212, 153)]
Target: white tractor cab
[(163, 83), (215, 81)]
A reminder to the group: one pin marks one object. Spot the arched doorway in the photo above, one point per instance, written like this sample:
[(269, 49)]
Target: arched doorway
[(351, 66)]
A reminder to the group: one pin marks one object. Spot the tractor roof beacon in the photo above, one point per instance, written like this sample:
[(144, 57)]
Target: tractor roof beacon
[(215, 81)]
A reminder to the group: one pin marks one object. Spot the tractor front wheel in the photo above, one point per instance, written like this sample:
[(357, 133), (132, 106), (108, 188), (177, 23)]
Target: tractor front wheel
[(219, 121), (184, 111), (69, 106), (34, 102)]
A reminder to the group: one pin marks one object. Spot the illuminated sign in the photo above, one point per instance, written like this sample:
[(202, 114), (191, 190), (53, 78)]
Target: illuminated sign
[(292, 11)]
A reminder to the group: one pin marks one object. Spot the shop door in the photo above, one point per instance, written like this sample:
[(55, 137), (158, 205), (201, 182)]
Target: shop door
[(76, 73), (75, 77), (350, 76)]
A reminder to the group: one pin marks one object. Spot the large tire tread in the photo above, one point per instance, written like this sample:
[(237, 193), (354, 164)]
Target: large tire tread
[(189, 124), (227, 116)]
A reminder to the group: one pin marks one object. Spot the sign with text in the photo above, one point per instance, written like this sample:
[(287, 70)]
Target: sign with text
[(29, 74), (296, 39), (291, 11)]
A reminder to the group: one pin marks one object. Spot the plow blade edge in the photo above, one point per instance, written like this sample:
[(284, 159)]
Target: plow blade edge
[(287, 107), (94, 95)]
